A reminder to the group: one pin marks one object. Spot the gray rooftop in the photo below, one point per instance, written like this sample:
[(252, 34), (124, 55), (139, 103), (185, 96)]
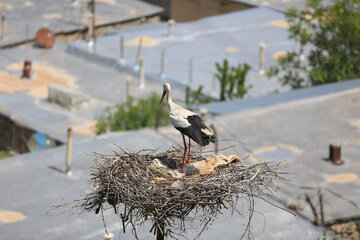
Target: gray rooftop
[(24, 104), (32, 183), (295, 126), (220, 108), (280, 5), (300, 131), (235, 36), (65, 16)]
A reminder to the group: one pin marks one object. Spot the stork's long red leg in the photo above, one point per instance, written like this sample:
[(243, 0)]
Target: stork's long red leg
[(185, 148), (189, 151)]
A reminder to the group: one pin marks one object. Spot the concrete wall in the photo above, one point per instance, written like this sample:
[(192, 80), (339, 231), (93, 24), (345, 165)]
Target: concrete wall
[(67, 97)]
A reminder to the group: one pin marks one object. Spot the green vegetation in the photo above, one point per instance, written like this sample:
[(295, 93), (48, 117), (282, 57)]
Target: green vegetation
[(325, 238), (232, 84), (6, 153), (196, 97), (132, 115), (232, 80), (136, 114), (333, 34), (3, 154)]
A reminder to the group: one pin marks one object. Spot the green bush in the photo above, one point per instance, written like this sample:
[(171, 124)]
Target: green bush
[(196, 97), (132, 115), (232, 84), (232, 80)]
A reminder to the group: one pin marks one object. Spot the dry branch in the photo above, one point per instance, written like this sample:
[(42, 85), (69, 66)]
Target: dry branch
[(313, 209)]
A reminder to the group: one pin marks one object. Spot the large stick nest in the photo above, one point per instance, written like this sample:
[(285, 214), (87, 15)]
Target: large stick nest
[(129, 183)]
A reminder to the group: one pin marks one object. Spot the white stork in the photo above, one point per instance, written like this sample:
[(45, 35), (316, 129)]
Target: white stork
[(188, 123)]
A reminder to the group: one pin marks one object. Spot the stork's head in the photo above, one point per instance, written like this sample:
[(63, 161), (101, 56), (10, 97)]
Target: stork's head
[(166, 90)]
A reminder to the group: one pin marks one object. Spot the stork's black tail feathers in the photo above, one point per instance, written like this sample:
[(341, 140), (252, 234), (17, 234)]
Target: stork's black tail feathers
[(208, 138), (212, 138)]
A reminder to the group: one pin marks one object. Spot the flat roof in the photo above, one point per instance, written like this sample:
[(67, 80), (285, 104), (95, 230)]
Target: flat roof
[(238, 105), (24, 101), (279, 5), (32, 183), (65, 16), (299, 131), (235, 36)]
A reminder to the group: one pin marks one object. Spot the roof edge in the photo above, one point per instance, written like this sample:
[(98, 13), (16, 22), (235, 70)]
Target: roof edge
[(221, 108)]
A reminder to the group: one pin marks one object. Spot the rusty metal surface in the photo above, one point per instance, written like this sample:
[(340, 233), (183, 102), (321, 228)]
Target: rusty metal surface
[(27, 69), (45, 38), (335, 154)]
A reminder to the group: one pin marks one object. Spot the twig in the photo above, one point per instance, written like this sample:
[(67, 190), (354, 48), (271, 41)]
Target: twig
[(313, 209), (321, 206), (275, 205)]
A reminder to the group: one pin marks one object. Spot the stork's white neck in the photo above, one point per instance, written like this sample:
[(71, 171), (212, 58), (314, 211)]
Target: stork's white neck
[(169, 100)]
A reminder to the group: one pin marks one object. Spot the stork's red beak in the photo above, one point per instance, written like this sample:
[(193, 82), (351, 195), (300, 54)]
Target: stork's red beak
[(163, 95)]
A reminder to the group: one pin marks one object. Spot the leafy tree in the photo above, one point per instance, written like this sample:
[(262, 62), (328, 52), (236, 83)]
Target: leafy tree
[(333, 34), (232, 80)]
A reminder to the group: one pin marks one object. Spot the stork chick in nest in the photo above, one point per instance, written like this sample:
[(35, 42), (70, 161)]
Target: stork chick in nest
[(188, 123)]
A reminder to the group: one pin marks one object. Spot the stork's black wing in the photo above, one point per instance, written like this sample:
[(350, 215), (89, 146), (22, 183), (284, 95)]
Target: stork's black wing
[(198, 131)]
